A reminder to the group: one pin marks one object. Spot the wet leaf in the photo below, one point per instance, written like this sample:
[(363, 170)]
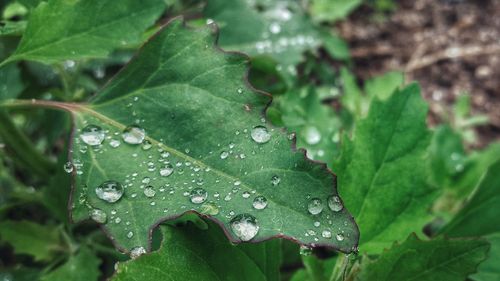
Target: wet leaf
[(206, 253), (278, 29), (414, 259), (382, 171), (61, 30), (179, 130)]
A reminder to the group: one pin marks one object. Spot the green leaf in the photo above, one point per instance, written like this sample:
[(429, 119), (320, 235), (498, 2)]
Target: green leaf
[(481, 215), (278, 29), (488, 270), (12, 27), (316, 124), (187, 252), (439, 259), (383, 86), (83, 266), (333, 10), (382, 171), (199, 114), (31, 238), (10, 81), (60, 30), (352, 95), (336, 47)]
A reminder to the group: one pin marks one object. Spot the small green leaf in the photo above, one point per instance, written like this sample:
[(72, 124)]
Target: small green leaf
[(382, 171), (187, 252), (207, 149), (278, 29), (60, 30), (12, 27), (414, 259), (383, 86), (481, 215), (489, 270), (10, 82), (333, 10), (316, 124), (83, 266), (31, 238)]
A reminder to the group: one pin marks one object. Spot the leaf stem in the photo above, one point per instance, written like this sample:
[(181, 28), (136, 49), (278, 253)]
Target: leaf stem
[(340, 268), (22, 147)]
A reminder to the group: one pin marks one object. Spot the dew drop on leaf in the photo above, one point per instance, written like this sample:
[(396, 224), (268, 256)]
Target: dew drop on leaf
[(275, 180), (130, 234), (198, 195), (339, 237), (146, 145), (68, 167), (244, 226), (167, 170), (92, 135), (114, 143), (245, 194), (312, 135), (259, 203), (137, 252), (209, 208), (149, 191), (98, 215), (224, 155), (133, 134), (334, 203), (109, 191), (305, 250), (260, 134), (326, 234), (315, 206)]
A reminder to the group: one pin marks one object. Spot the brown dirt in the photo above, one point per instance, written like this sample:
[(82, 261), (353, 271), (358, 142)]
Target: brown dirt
[(448, 46)]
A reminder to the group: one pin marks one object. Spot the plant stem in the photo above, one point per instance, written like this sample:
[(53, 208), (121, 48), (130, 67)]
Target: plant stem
[(25, 152), (340, 266)]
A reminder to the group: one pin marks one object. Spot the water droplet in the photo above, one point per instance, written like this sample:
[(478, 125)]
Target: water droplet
[(224, 155), (146, 145), (92, 135), (275, 180), (68, 167), (305, 250), (133, 134), (98, 215), (260, 134), (334, 203), (312, 135), (316, 223), (114, 143), (326, 234), (137, 252), (240, 91), (209, 208), (315, 206), (339, 237), (275, 28), (167, 170), (130, 234), (198, 195), (237, 183), (149, 191), (245, 194), (109, 191), (259, 203), (244, 226)]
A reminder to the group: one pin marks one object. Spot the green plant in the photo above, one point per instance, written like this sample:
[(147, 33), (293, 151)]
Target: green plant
[(183, 164)]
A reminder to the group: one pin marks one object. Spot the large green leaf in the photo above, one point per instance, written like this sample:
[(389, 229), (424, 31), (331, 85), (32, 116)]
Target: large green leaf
[(333, 10), (83, 266), (206, 125), (31, 238), (489, 270), (188, 252), (382, 172), (278, 29), (60, 29), (440, 259)]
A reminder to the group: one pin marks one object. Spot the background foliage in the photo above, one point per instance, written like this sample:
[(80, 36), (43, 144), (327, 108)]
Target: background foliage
[(424, 200)]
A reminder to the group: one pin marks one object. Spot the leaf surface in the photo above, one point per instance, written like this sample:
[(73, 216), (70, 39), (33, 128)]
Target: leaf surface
[(187, 252), (61, 30), (382, 172), (440, 259), (202, 121)]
